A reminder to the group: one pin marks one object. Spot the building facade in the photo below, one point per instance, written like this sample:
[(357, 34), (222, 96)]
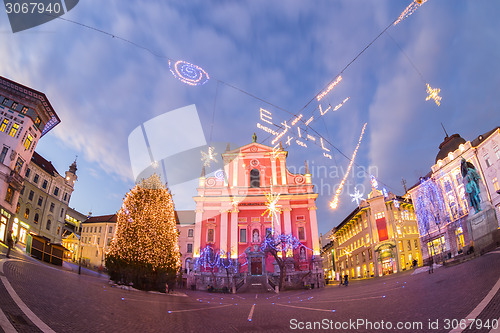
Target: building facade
[(185, 226), (96, 236), (233, 215), (73, 222), (44, 200), (328, 254), (380, 237), (449, 225), (25, 116)]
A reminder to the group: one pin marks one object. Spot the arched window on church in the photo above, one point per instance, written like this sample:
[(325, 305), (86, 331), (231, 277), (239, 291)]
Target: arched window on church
[(254, 178)]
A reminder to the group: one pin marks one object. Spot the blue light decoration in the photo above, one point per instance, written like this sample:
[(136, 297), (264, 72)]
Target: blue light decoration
[(188, 73), (385, 192), (374, 181), (219, 174), (282, 243), (396, 203), (429, 206)]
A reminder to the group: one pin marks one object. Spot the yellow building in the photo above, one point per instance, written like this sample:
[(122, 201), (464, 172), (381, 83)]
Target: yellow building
[(72, 244), (378, 238)]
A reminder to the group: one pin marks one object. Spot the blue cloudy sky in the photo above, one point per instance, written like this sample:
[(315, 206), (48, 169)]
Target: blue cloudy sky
[(284, 52)]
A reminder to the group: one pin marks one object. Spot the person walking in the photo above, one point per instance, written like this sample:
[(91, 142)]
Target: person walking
[(341, 281), (415, 263), (10, 243), (346, 280), (431, 265)]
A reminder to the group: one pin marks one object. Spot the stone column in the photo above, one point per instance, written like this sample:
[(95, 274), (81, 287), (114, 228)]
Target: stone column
[(223, 230), (314, 230), (234, 234), (197, 233)]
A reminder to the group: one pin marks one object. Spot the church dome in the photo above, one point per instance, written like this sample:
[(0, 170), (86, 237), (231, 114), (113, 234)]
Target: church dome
[(450, 144)]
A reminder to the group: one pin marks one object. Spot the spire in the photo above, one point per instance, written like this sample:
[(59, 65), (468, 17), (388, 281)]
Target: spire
[(281, 146), (307, 169), (227, 147), (444, 129), (203, 172), (72, 167)]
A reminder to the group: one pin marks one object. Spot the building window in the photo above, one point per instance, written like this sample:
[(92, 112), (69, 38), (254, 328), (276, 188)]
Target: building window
[(5, 122), (51, 209), (487, 160), (35, 179), (44, 185), (10, 194), (49, 222), (19, 165), (190, 248), (28, 141), (495, 184), (416, 244), (100, 229), (22, 190), (62, 214), (369, 254), (18, 207), (243, 235), (254, 178), (40, 201), (37, 121), (98, 240), (110, 229), (5, 101), (301, 233), (24, 110), (5, 150), (497, 152), (255, 236), (108, 242), (401, 249), (13, 130), (65, 196), (35, 219), (27, 174), (190, 232), (56, 191), (210, 235), (14, 106), (27, 213), (409, 246)]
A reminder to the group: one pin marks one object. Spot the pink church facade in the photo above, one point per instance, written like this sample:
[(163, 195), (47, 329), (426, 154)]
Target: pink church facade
[(232, 215)]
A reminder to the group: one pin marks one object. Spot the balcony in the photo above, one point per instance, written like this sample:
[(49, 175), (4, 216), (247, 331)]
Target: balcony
[(15, 180)]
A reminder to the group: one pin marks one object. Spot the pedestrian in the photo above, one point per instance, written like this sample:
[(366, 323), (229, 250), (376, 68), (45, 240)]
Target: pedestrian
[(346, 280), (431, 265), (166, 288), (340, 282), (10, 243), (415, 263)]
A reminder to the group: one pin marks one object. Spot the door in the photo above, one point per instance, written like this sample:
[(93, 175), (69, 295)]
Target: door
[(256, 268)]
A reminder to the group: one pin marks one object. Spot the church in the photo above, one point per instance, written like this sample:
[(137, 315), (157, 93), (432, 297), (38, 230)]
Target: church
[(255, 196)]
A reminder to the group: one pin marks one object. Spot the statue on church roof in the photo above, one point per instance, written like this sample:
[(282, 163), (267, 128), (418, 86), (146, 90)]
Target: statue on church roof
[(254, 137), (471, 182)]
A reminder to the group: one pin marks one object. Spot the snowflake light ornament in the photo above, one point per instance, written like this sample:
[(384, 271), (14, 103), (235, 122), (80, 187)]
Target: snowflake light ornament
[(208, 157), (357, 196)]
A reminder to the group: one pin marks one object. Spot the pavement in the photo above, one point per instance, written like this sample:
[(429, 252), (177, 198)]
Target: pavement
[(59, 300)]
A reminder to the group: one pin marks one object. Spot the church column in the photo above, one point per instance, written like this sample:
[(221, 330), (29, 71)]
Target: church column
[(314, 229), (287, 221), (273, 166), (234, 233), (283, 170), (235, 171), (197, 232), (223, 229)]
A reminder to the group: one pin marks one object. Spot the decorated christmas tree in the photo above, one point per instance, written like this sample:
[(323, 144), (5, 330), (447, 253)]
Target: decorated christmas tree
[(145, 251)]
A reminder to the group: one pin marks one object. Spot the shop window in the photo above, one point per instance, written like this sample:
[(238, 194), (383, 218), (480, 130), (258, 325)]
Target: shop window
[(254, 178)]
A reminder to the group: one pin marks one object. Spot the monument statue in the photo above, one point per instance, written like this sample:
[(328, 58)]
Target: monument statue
[(471, 182)]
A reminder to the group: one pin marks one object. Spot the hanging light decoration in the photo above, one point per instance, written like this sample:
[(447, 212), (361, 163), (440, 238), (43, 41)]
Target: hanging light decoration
[(433, 93)]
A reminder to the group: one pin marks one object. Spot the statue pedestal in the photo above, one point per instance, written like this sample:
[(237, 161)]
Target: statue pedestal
[(483, 227)]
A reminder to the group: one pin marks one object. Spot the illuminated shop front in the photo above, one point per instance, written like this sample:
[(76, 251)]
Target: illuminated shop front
[(4, 220)]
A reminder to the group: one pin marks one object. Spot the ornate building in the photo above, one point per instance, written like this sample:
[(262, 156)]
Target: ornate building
[(97, 233), (44, 200), (234, 212), (25, 116), (378, 238), (448, 223)]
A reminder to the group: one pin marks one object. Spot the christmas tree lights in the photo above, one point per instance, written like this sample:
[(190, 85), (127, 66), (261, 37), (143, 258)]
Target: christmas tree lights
[(146, 233)]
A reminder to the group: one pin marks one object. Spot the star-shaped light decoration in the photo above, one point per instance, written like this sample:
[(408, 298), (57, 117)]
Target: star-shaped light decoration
[(357, 196), (154, 164), (409, 10), (273, 209), (433, 93), (208, 157)]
